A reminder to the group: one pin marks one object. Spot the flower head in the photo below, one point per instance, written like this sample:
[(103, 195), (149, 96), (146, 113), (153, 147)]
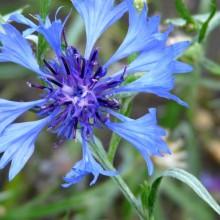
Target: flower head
[(78, 94)]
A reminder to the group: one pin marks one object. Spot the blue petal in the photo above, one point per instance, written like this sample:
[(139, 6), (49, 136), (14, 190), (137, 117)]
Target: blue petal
[(52, 31), (181, 67), (87, 165), (118, 115), (179, 48), (15, 48), (154, 54), (148, 59), (10, 110), (158, 81), (144, 134), (17, 143), (98, 16), (17, 17), (142, 32)]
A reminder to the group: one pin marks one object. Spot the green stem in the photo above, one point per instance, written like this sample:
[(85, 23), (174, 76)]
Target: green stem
[(129, 196), (193, 102), (42, 43), (115, 139), (102, 157)]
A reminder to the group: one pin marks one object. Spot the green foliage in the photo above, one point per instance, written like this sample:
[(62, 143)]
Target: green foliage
[(186, 178), (184, 199), (145, 190), (204, 27), (183, 11), (42, 43), (152, 197), (206, 23), (100, 153), (211, 66), (194, 184), (25, 198), (115, 139)]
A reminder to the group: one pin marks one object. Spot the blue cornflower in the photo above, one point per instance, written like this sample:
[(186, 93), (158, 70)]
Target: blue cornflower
[(78, 94)]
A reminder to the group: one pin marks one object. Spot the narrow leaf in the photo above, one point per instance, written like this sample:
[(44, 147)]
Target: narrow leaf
[(211, 66), (153, 196), (205, 25), (191, 181), (183, 11), (200, 18), (145, 190), (210, 84), (42, 43), (185, 199)]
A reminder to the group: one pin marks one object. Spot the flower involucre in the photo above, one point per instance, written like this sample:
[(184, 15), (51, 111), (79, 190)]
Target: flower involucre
[(78, 94)]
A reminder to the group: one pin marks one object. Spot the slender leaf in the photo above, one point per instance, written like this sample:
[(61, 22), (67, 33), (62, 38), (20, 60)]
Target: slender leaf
[(194, 184), (42, 43), (188, 179), (201, 18), (152, 196), (145, 190), (205, 25), (210, 84), (183, 11), (185, 199), (211, 66)]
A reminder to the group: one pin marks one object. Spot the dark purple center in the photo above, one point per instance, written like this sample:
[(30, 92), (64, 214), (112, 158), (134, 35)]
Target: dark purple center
[(77, 93)]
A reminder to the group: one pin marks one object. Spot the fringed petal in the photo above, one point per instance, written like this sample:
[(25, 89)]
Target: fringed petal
[(86, 166), (17, 144), (98, 16), (10, 110), (19, 18), (142, 32), (155, 54), (15, 48), (158, 81), (181, 67), (52, 31), (144, 134)]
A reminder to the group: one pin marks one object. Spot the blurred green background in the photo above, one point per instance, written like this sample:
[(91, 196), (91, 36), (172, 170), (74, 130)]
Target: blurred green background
[(194, 133)]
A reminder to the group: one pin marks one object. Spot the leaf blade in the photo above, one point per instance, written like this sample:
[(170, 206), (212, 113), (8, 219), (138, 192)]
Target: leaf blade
[(183, 11), (205, 25), (194, 184), (186, 178)]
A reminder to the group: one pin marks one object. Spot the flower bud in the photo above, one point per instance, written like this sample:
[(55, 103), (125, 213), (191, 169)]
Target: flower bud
[(139, 4)]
